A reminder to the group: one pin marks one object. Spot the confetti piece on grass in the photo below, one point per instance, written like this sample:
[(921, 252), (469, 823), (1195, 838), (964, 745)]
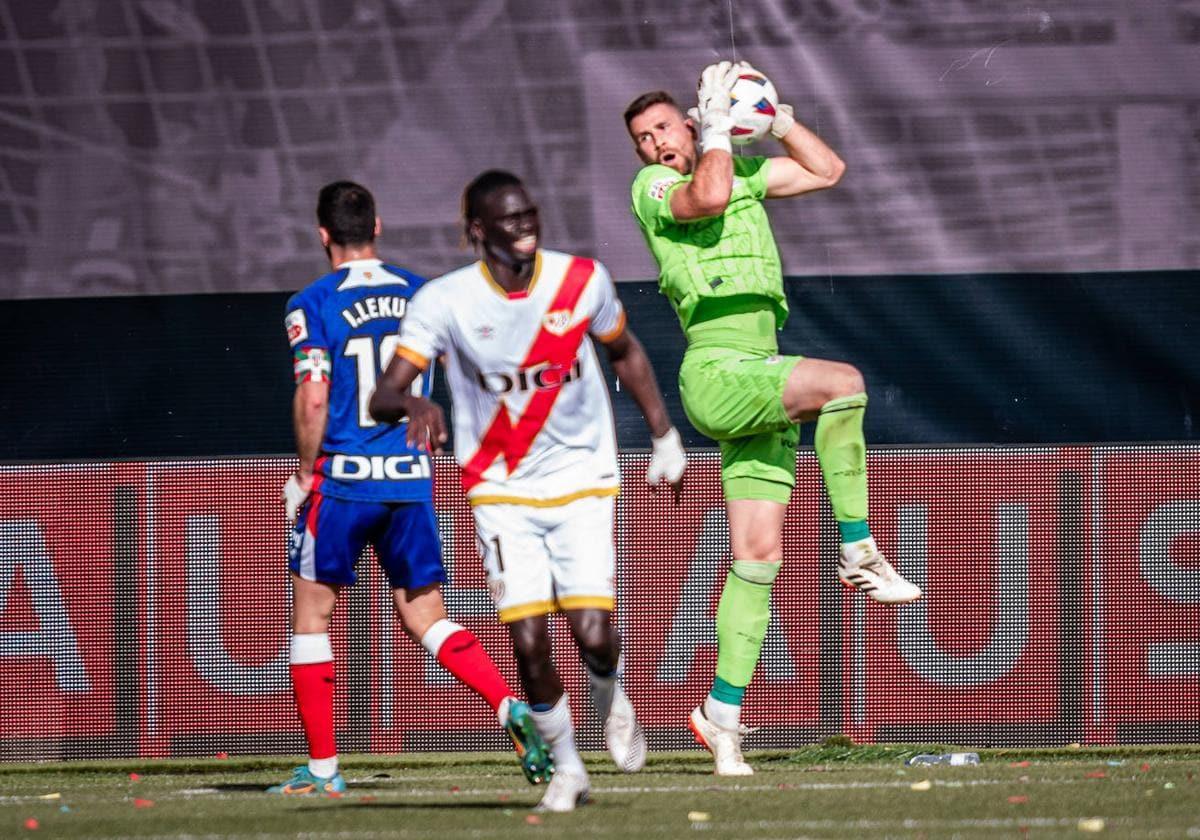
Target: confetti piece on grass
[(455, 789), (1018, 764), (31, 824), (533, 819), (55, 795), (1144, 768), (1169, 786), (134, 777), (222, 755), (699, 816), (1092, 825), (143, 803), (1096, 774), (1018, 800), (924, 784)]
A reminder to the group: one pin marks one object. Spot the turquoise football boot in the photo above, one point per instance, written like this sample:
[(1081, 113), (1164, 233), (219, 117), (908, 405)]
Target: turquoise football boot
[(536, 761), (304, 782)]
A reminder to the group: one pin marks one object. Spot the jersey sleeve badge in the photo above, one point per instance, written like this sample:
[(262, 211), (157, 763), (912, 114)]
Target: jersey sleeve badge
[(658, 189), (296, 324)]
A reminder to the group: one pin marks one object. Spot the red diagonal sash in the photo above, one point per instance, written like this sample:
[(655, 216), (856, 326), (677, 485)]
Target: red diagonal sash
[(513, 440)]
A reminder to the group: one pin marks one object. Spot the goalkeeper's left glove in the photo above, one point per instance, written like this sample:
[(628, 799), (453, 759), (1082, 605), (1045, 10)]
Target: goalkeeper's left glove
[(783, 122), (294, 495), (667, 460)]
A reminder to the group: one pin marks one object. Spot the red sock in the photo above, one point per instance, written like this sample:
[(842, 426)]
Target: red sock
[(463, 656), (313, 684)]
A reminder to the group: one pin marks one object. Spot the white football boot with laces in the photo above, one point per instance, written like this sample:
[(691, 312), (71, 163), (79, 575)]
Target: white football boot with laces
[(623, 735), (567, 790), (862, 566), (724, 744)]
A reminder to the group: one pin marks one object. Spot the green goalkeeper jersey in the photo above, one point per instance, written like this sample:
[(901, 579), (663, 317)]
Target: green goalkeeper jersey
[(730, 255)]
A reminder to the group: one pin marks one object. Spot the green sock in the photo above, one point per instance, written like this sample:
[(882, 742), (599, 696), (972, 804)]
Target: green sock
[(854, 531), (842, 453), (742, 617)]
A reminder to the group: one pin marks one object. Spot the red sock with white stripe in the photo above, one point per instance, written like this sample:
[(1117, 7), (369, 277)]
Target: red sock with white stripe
[(313, 682), (460, 653)]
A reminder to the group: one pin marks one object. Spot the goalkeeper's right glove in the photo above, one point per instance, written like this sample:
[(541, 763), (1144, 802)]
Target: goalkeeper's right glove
[(712, 108)]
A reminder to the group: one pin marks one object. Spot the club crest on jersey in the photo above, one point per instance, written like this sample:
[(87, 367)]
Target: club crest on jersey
[(557, 322), (496, 590), (297, 326)]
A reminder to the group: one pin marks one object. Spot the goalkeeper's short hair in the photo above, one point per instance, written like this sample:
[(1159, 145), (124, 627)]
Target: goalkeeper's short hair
[(646, 100)]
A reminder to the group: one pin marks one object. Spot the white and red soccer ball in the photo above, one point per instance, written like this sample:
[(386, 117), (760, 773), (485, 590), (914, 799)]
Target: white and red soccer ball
[(752, 105)]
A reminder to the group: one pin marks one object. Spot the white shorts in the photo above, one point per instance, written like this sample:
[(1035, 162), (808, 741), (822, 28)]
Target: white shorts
[(540, 560)]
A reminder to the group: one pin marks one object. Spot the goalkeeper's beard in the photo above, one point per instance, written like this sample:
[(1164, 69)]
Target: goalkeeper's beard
[(684, 162)]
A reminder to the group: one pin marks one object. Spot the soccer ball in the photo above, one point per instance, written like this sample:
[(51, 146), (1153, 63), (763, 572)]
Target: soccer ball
[(752, 106)]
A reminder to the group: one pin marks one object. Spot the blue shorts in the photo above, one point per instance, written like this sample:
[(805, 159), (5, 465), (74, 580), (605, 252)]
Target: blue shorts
[(330, 536)]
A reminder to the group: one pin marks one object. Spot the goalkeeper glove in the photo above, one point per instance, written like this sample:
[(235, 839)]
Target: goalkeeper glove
[(667, 460), (712, 108), (783, 122), (294, 495)]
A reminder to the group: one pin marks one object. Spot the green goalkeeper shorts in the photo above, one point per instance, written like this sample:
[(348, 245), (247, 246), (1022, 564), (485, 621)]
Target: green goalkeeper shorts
[(735, 397)]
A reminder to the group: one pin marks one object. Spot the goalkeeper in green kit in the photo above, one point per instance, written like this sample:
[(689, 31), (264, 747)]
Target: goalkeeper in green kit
[(701, 211)]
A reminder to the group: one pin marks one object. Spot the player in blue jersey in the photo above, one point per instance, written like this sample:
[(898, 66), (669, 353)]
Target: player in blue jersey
[(360, 483)]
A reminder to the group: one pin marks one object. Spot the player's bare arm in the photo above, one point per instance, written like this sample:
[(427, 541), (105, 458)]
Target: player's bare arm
[(810, 165), (632, 366), (393, 401), (707, 194), (310, 410)]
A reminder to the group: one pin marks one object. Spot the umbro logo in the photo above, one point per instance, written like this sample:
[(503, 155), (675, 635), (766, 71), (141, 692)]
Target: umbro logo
[(485, 332)]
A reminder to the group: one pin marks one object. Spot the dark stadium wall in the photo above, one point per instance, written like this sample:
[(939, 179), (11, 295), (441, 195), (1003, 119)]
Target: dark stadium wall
[(1000, 359)]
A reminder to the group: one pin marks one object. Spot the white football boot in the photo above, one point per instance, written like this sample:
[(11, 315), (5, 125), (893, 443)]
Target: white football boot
[(567, 790), (862, 566), (724, 744), (623, 734)]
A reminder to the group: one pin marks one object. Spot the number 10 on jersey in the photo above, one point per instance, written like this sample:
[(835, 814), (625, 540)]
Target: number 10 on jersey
[(369, 366)]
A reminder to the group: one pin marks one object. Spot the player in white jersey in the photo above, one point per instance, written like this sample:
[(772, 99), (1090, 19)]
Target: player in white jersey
[(533, 433)]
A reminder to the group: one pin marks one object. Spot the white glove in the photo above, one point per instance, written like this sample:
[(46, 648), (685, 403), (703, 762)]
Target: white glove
[(293, 496), (712, 108), (783, 122), (667, 459)]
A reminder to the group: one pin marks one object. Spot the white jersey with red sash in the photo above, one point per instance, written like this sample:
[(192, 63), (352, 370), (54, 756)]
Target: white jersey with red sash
[(532, 419)]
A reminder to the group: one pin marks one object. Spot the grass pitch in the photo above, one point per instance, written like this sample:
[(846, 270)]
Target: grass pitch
[(823, 792)]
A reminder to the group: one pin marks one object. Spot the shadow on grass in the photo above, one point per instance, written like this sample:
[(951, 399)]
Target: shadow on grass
[(418, 806)]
